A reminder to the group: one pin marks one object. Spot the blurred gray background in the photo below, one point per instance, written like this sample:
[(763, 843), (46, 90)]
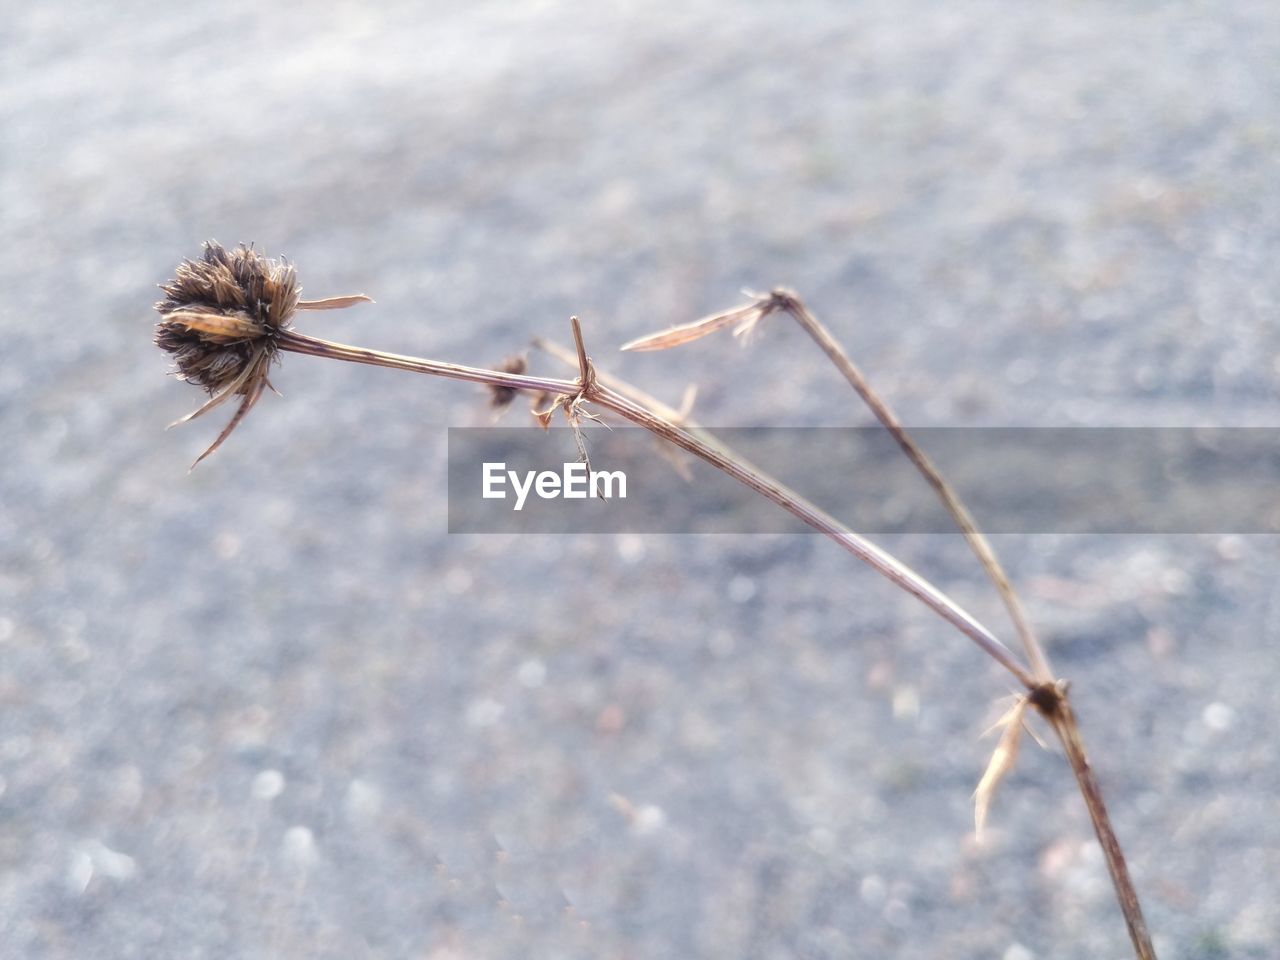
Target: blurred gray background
[(271, 709)]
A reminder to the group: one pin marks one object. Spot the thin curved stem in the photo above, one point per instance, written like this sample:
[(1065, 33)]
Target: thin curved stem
[(883, 563), (866, 551), (295, 342), (979, 544)]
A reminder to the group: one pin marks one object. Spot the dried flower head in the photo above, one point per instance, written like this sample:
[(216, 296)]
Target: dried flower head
[(221, 318)]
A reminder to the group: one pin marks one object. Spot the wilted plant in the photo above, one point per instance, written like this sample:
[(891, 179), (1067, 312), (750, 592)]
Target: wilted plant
[(226, 318), (222, 318)]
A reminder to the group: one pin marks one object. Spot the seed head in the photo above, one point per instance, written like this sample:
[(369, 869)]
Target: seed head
[(220, 313), (221, 319)]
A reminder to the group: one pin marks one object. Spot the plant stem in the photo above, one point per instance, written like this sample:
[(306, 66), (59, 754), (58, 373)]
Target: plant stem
[(295, 342), (979, 544), (1049, 697), (866, 551), (1060, 714), (1063, 720), (1056, 707)]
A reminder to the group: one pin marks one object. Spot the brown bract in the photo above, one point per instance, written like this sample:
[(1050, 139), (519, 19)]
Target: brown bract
[(218, 311), (742, 319), (226, 317)]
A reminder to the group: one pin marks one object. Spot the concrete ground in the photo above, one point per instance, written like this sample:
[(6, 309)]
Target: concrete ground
[(271, 709)]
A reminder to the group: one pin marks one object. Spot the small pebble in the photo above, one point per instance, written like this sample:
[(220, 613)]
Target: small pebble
[(532, 674), (458, 581), (484, 713), (226, 545), (721, 643), (268, 784), (906, 703), (1175, 582), (299, 845), (1218, 717), (631, 548), (897, 914), (649, 819), (741, 589), (364, 800), (872, 890)]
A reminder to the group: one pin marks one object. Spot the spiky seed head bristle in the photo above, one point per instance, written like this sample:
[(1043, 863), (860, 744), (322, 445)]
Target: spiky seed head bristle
[(221, 313), (224, 319)]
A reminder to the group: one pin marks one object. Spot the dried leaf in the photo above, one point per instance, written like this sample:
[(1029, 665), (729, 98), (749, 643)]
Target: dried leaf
[(544, 416), (745, 317), (250, 398), (1002, 760), (217, 327), (334, 303), (251, 369)]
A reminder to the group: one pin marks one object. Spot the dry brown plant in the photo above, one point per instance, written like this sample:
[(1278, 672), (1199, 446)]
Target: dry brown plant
[(226, 319)]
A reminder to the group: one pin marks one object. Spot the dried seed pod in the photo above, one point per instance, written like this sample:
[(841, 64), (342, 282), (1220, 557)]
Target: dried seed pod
[(501, 396), (220, 320), (220, 314)]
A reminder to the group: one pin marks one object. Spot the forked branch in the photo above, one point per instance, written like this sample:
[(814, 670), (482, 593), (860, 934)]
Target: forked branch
[(225, 318), (1047, 696), (595, 392)]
